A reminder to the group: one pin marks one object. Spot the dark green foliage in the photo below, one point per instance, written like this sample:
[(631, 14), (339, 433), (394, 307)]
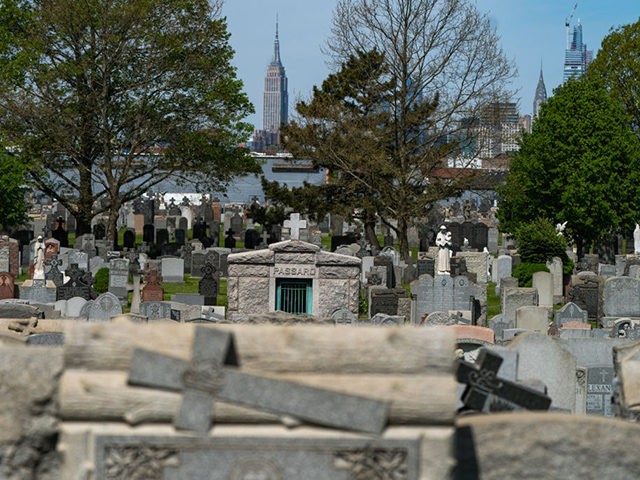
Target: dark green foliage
[(105, 99), (538, 242), (617, 66), (524, 272), (13, 207), (267, 215), (580, 165), (102, 281)]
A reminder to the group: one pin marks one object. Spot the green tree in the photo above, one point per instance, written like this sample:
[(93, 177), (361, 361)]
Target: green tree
[(108, 98), (13, 176), (617, 66), (407, 72), (579, 165)]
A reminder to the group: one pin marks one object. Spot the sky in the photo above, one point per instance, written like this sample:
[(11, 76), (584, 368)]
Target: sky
[(532, 32)]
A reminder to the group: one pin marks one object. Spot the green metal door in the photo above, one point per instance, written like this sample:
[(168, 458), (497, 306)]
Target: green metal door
[(294, 295)]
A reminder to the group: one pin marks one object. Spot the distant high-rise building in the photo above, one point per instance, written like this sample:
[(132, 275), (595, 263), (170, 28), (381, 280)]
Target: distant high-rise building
[(276, 99), (541, 96), (576, 55), (498, 129)]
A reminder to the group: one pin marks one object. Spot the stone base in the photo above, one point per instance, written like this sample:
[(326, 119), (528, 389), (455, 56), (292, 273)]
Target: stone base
[(244, 451), (609, 322), (38, 291)]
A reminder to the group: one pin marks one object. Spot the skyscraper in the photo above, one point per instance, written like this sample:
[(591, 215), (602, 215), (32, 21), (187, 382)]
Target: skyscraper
[(541, 96), (276, 99), (576, 55)]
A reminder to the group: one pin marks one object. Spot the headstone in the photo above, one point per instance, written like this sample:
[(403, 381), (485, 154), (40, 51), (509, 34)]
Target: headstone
[(236, 224), (504, 269), (172, 270), (9, 255), (343, 316), (570, 313), (162, 237), (499, 325), (79, 258), (129, 239), (80, 284), (152, 290), (425, 266), (208, 285), (118, 278), (514, 298), (492, 240), (53, 273), (155, 310), (543, 282), (556, 270), (440, 293), (251, 239), (7, 286), (148, 233), (229, 240), (104, 307), (479, 236), (532, 318), (181, 236), (385, 301), (621, 297)]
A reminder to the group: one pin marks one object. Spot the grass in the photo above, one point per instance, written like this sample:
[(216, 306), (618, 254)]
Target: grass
[(493, 301), (190, 285)]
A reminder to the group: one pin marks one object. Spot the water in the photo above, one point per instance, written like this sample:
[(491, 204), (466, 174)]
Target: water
[(243, 189)]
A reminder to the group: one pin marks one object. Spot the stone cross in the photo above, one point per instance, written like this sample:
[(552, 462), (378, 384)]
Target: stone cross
[(265, 237), (210, 376), (295, 224), (481, 380)]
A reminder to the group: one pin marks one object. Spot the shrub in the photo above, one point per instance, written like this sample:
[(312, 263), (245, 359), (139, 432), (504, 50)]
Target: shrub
[(102, 281), (538, 243), (524, 272)]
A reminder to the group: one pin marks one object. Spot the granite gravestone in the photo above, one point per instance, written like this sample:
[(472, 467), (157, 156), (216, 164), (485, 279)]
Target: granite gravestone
[(208, 285), (118, 278)]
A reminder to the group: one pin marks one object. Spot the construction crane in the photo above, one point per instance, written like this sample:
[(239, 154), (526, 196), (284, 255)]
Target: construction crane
[(567, 23)]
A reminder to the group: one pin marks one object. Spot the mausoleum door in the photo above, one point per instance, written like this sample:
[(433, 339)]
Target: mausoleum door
[(294, 295)]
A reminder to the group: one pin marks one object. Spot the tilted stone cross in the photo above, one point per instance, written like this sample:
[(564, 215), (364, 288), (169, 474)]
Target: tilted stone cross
[(209, 376), (295, 225), (481, 380)]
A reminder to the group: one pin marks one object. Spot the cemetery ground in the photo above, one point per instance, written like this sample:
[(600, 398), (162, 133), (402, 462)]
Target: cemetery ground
[(315, 359)]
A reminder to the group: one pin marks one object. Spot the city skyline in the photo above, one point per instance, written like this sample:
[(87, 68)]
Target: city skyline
[(532, 33)]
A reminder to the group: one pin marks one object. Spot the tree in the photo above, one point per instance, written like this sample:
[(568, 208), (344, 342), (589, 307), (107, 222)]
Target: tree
[(408, 72), (105, 99), (580, 165), (617, 66), (13, 175)]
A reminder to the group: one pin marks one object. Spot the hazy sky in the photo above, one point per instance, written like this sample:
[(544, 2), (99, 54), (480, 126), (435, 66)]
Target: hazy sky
[(531, 30)]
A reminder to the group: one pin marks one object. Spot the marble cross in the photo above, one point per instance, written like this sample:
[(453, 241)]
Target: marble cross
[(482, 381), (210, 375), (295, 224)]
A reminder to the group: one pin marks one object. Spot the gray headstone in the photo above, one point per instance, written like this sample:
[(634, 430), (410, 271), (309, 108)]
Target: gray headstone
[(104, 307)]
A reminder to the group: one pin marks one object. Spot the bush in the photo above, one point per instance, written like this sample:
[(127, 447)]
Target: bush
[(524, 272), (102, 281), (538, 242)]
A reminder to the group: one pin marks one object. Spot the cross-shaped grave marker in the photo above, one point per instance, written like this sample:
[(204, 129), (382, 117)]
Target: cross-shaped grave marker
[(265, 237), (481, 380), (295, 225), (210, 375)]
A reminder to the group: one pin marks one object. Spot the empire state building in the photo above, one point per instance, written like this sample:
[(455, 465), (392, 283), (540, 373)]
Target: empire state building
[(276, 99)]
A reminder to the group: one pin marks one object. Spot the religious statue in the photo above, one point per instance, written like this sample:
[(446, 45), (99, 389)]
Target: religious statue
[(636, 239), (560, 228), (38, 260), (443, 242)]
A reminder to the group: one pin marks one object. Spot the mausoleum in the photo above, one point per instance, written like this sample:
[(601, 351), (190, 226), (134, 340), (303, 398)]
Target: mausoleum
[(294, 277)]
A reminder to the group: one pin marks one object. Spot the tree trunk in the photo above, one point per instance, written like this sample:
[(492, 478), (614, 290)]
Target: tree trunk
[(112, 226), (370, 232), (85, 201), (403, 237)]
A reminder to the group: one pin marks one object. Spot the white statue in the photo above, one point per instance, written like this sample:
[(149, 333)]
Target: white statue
[(443, 242), (38, 260), (636, 239), (560, 228)]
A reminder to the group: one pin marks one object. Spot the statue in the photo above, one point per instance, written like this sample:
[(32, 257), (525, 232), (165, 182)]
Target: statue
[(443, 242), (560, 228), (38, 260), (636, 239)]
